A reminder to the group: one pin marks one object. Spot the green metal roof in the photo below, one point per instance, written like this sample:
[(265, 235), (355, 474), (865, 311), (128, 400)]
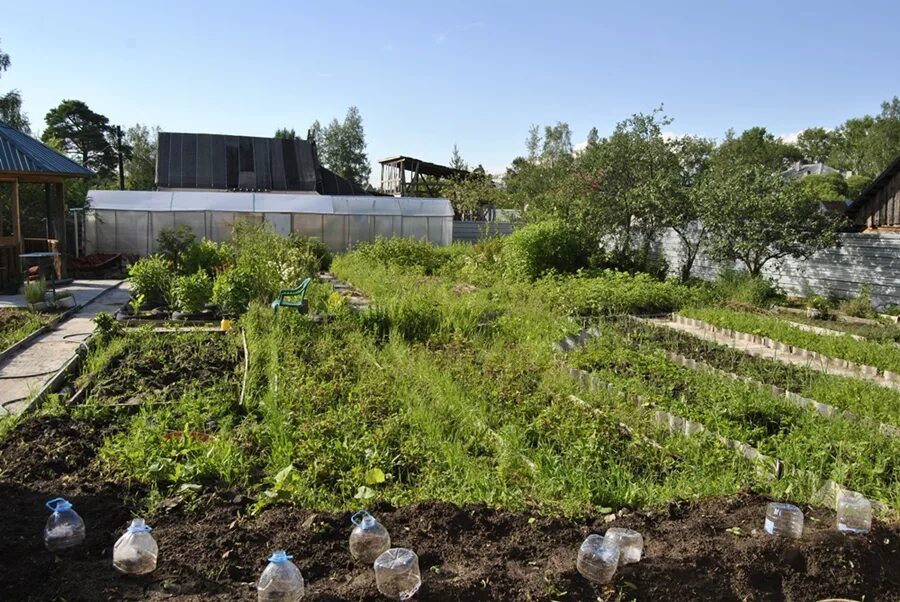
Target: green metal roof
[(20, 153)]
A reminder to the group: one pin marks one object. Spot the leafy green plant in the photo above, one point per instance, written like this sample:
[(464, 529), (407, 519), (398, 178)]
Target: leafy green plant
[(136, 302), (861, 305), (421, 256), (192, 293), (233, 290), (205, 255), (152, 278), (173, 244), (739, 287), (537, 249), (35, 291), (107, 326)]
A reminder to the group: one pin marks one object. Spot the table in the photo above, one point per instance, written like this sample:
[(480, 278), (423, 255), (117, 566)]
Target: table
[(40, 259)]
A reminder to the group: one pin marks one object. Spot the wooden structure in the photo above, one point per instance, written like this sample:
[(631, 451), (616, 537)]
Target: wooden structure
[(878, 206), (420, 181), (24, 160)]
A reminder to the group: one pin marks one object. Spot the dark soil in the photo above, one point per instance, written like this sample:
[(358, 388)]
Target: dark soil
[(210, 549), (191, 360)]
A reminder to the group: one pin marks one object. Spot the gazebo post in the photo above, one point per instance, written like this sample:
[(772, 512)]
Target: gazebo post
[(16, 222)]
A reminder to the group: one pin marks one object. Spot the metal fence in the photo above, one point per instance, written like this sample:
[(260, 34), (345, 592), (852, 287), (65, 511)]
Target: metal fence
[(476, 230)]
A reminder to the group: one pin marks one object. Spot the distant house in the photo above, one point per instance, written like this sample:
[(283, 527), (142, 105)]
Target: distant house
[(800, 170), (877, 208)]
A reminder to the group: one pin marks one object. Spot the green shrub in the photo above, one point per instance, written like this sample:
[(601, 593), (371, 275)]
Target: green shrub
[(205, 255), (191, 293), (232, 291), (734, 286), (35, 290), (861, 305), (540, 248), (151, 277), (414, 317), (315, 248), (423, 257), (173, 244)]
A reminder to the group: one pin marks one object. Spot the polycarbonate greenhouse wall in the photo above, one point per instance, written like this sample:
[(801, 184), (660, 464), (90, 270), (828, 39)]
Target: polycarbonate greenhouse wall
[(130, 221)]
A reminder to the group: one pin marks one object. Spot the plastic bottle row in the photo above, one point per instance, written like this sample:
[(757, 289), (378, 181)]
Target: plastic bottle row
[(854, 515), (397, 574)]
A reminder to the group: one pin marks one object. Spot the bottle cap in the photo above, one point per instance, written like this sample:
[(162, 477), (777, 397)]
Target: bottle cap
[(58, 504), (363, 519), (280, 556), (139, 526)]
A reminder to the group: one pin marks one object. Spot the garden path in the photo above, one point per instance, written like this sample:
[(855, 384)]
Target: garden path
[(26, 371)]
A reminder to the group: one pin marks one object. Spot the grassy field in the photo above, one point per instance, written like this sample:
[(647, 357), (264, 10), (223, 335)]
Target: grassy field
[(16, 324)]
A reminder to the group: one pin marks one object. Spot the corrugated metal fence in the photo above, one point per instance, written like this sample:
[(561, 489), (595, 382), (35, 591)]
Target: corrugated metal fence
[(476, 230), (872, 259)]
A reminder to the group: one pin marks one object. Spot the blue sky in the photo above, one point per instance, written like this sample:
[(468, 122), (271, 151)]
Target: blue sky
[(426, 75)]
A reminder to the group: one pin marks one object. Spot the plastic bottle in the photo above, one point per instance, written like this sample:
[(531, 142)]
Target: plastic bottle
[(854, 512), (785, 520), (281, 580), (369, 538), (597, 560), (397, 573), (629, 542), (64, 529), (136, 551)]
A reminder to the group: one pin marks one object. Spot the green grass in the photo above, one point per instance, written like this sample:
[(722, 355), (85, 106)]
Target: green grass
[(885, 332), (884, 355), (861, 397), (833, 448), (16, 324)]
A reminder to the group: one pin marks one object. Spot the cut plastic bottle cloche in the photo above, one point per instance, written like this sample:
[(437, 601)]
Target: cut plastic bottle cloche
[(397, 573), (281, 581), (369, 538), (64, 529), (136, 551)]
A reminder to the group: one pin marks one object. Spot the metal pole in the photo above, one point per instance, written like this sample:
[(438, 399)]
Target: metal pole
[(121, 164)]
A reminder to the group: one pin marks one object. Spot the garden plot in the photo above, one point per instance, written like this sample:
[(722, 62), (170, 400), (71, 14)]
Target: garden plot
[(832, 448)]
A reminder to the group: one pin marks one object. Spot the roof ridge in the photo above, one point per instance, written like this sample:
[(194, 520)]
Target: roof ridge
[(19, 142)]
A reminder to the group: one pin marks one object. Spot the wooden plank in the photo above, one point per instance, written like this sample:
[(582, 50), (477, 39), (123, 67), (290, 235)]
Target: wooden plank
[(16, 221)]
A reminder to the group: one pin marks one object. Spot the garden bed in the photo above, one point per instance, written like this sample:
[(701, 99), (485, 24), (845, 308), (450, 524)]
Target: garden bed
[(213, 549), (16, 324)]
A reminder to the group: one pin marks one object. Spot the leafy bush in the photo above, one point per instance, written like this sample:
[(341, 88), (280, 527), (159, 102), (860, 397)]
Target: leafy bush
[(173, 244), (232, 291), (741, 288), (540, 248), (151, 277), (315, 248), (191, 293), (205, 255), (423, 257), (612, 292), (861, 305)]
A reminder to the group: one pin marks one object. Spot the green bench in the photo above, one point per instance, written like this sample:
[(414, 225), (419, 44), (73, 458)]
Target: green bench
[(300, 291)]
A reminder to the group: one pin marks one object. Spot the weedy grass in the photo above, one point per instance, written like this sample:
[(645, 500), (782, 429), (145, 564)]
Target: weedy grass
[(884, 355), (16, 324)]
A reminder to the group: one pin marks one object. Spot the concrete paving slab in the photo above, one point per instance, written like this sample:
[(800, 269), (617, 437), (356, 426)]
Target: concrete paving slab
[(25, 372), (84, 292)]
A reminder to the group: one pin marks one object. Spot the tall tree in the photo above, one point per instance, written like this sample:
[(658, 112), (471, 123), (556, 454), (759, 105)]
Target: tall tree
[(593, 136), (759, 217), (140, 167), (343, 148), (84, 134), (557, 141), (11, 102), (533, 143), (815, 144), (456, 160), (757, 146), (285, 133)]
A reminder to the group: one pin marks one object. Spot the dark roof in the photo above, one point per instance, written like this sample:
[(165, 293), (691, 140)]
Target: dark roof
[(332, 183), (875, 186), (425, 168), (218, 162), (22, 154)]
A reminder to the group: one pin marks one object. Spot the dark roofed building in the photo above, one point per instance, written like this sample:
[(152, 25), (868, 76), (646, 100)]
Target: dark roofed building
[(422, 178), (878, 206), (246, 163)]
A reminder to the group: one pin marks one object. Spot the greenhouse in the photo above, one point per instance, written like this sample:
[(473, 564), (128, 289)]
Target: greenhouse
[(130, 221)]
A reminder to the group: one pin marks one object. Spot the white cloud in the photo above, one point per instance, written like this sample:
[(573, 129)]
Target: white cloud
[(790, 138), (440, 38)]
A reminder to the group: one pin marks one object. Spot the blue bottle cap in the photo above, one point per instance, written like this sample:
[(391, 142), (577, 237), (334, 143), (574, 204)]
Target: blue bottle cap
[(59, 504), (280, 556), (363, 519), (139, 526)]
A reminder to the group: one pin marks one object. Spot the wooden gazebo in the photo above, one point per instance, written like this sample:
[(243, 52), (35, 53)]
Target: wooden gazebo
[(24, 160)]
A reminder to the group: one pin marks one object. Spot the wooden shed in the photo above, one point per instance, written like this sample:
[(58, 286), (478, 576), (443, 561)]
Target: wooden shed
[(878, 206), (24, 160)]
